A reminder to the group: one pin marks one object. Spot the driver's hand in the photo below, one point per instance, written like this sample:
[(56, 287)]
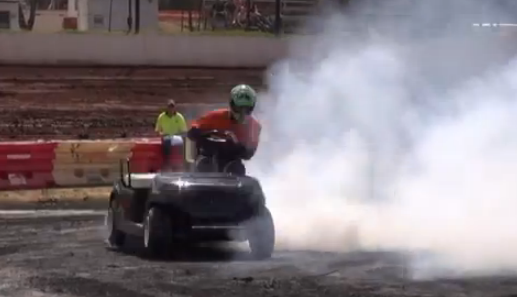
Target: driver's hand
[(232, 136)]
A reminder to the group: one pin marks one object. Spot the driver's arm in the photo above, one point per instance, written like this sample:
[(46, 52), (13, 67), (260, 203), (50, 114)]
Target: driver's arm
[(194, 133), (247, 152), (198, 126)]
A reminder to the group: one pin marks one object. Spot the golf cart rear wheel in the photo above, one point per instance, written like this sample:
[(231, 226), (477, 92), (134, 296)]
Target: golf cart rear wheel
[(157, 238), (261, 235), (116, 238)]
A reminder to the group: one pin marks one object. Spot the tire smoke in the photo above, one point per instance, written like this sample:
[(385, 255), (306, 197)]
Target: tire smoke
[(395, 143)]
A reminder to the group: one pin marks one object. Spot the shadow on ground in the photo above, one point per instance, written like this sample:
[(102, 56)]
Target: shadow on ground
[(213, 252)]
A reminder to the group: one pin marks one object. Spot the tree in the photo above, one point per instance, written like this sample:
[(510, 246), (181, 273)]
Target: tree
[(31, 6)]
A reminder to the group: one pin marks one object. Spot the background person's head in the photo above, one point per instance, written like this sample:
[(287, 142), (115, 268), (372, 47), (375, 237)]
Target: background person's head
[(171, 107)]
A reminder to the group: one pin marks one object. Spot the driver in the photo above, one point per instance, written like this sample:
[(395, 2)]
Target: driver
[(238, 123)]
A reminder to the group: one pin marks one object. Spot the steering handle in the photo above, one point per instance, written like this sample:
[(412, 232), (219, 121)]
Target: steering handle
[(217, 135)]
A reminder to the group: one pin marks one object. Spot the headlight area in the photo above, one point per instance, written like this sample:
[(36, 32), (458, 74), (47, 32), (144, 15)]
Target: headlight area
[(161, 192)]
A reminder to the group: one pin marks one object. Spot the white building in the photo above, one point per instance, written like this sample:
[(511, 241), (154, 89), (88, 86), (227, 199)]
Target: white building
[(113, 15), (9, 15)]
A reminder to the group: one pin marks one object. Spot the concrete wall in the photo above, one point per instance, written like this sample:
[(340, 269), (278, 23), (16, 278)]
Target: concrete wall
[(135, 50)]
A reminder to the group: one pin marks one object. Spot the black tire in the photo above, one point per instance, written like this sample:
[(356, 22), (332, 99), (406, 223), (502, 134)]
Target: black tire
[(261, 235), (156, 237), (235, 167), (116, 238), (203, 164)]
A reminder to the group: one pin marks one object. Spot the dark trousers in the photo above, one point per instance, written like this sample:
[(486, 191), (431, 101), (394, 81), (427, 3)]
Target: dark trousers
[(229, 165), (166, 149)]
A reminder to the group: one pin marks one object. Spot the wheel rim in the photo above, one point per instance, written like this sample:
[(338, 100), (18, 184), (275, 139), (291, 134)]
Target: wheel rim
[(109, 220), (146, 232)]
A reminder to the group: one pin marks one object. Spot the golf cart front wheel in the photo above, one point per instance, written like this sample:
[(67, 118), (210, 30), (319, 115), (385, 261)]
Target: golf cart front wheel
[(116, 238), (156, 237), (261, 235)]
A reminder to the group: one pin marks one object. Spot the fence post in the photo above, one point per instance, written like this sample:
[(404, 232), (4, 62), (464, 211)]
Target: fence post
[(278, 25)]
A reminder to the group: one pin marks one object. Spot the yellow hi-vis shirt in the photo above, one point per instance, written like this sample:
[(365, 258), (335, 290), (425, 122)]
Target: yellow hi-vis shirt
[(170, 125)]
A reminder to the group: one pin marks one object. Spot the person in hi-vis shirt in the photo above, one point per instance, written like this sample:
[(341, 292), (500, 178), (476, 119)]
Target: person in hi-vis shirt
[(171, 126)]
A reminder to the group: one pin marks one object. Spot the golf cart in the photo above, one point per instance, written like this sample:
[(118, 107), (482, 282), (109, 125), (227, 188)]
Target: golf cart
[(174, 209)]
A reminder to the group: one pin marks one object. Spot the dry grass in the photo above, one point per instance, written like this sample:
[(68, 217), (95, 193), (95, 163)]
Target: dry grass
[(58, 195)]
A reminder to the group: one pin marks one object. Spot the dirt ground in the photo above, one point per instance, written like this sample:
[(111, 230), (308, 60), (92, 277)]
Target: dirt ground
[(49, 254), (44, 102)]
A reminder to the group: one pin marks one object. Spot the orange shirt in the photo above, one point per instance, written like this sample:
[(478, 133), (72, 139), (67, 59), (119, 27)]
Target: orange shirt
[(247, 133)]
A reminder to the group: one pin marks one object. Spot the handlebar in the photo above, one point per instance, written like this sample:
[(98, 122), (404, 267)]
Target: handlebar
[(218, 143), (217, 136)]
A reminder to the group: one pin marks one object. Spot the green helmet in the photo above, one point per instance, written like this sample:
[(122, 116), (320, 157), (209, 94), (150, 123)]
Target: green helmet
[(242, 101)]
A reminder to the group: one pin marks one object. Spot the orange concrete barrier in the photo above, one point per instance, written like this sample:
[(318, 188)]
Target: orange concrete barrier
[(26, 165), (39, 165)]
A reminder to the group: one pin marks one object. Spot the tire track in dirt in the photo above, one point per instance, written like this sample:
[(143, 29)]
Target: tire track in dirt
[(65, 255)]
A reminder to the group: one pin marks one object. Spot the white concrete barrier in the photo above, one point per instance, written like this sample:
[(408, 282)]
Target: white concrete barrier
[(139, 50)]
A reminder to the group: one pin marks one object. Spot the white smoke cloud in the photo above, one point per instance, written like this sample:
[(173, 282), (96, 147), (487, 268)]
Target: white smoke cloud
[(399, 143)]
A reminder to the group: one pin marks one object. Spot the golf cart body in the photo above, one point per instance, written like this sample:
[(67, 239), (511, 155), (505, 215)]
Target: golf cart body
[(203, 206), (170, 208)]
